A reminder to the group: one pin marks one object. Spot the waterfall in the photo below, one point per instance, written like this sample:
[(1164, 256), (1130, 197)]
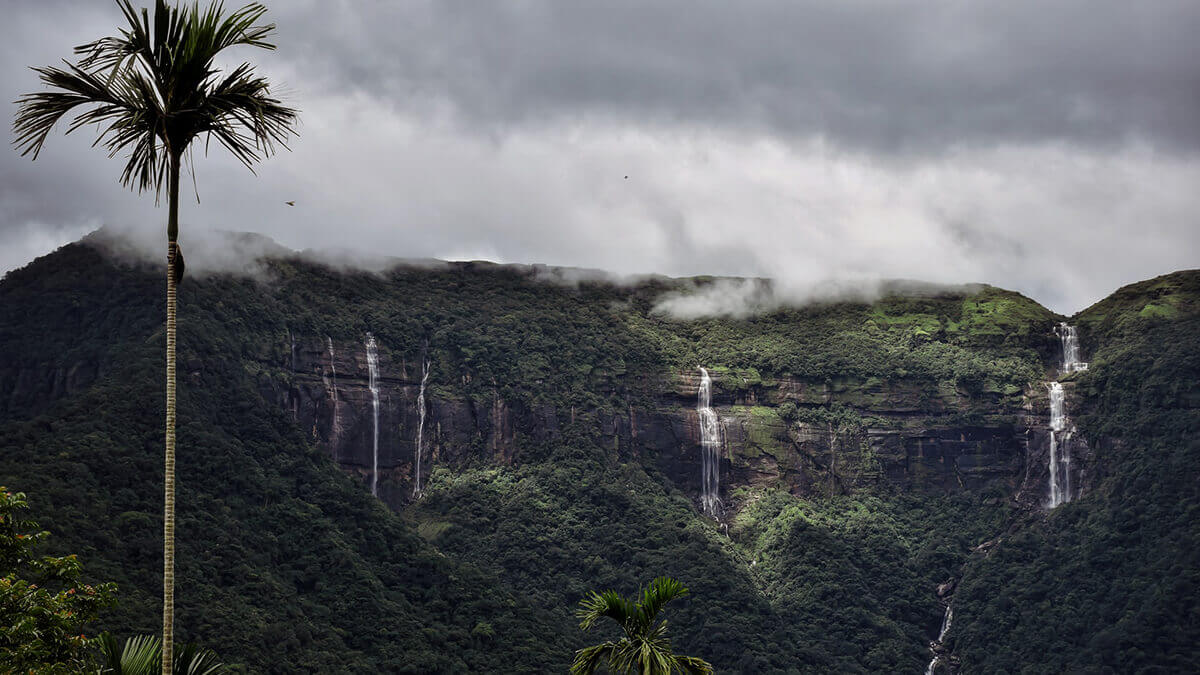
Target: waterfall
[(420, 427), (332, 366), (336, 431), (1070, 346), (937, 645), (946, 621), (373, 385), (1060, 455), (292, 340), (710, 443), (1060, 433)]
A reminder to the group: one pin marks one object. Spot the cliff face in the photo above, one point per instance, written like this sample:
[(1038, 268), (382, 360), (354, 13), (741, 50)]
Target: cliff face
[(917, 424), (909, 436)]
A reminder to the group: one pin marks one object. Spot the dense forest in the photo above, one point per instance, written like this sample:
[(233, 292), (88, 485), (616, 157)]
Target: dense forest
[(877, 448)]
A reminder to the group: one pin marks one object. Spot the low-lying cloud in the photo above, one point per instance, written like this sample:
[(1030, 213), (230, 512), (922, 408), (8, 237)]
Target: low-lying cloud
[(744, 298)]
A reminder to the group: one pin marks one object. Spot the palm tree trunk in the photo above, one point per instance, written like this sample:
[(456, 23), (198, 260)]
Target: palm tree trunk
[(168, 630)]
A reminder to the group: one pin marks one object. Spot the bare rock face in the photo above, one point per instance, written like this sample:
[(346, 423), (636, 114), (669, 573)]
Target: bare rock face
[(911, 436), (906, 435), (32, 387), (1081, 466)]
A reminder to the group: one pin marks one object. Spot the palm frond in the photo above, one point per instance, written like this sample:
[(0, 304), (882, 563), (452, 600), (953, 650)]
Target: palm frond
[(38, 113), (588, 659), (644, 653), (192, 660), (139, 656), (691, 665), (608, 604), (657, 594), (244, 117), (110, 654)]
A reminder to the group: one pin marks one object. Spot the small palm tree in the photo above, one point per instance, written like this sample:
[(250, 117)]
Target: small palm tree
[(151, 91), (141, 655), (644, 649)]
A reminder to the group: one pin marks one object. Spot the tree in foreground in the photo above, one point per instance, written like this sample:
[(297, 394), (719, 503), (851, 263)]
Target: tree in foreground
[(43, 605), (151, 91), (644, 648)]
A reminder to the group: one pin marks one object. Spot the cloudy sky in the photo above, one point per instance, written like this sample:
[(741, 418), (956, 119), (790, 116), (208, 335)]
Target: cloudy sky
[(1048, 146)]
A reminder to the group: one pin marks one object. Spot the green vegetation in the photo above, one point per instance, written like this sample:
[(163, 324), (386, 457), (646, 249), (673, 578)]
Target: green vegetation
[(1108, 583), (44, 606), (644, 647), (291, 566)]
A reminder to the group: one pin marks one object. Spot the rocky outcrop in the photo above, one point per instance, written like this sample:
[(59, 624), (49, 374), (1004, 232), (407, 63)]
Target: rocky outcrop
[(30, 388), (906, 435)]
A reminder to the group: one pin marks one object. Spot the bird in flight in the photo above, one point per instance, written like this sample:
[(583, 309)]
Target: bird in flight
[(290, 203)]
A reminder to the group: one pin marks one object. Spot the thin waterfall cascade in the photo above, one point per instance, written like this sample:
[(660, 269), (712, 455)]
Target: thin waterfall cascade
[(373, 385), (1069, 335), (420, 428), (1060, 447), (336, 431), (937, 647), (710, 446), (332, 368)]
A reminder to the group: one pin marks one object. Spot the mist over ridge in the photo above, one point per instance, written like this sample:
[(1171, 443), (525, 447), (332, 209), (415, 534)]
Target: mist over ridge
[(239, 253)]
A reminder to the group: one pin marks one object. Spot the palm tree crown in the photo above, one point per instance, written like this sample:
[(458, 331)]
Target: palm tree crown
[(644, 649), (154, 89)]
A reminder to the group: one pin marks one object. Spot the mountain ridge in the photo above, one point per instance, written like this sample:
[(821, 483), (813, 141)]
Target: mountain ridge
[(869, 449)]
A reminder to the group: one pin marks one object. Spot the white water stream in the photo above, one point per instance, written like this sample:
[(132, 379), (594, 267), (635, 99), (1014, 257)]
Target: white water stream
[(336, 431), (420, 428), (373, 385), (710, 445), (1060, 427), (1060, 448), (937, 644), (1070, 344)]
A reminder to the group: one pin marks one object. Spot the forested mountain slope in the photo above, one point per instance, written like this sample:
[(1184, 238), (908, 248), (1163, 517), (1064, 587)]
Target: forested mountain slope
[(865, 450)]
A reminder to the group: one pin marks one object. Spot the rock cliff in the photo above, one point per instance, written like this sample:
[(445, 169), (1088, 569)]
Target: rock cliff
[(906, 435)]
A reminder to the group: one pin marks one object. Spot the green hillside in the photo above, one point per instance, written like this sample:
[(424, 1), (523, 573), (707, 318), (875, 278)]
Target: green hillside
[(872, 447)]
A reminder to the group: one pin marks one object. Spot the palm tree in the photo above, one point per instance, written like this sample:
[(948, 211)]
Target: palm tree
[(141, 656), (644, 649), (151, 91)]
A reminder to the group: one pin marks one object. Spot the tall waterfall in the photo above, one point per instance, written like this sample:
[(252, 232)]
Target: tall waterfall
[(1070, 346), (936, 645), (710, 443), (373, 385), (332, 366), (420, 427), (1060, 454), (337, 425), (1060, 431)]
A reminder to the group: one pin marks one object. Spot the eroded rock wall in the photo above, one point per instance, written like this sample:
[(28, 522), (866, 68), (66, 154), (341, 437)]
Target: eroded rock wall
[(910, 436)]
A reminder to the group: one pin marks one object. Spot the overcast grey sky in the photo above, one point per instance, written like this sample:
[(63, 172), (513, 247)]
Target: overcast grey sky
[(1048, 146)]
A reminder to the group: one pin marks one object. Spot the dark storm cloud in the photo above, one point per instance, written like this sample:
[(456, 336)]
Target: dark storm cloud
[(1051, 147), (909, 75)]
